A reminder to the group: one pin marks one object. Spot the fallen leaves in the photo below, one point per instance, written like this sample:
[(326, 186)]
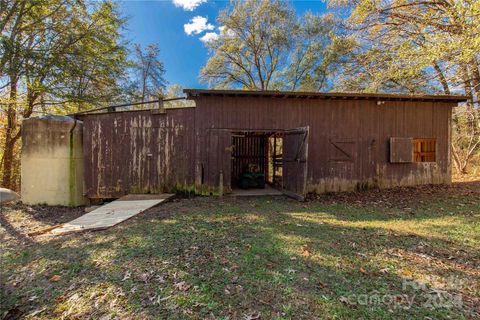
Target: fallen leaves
[(127, 275), (407, 199), (55, 278), (384, 270), (343, 299), (252, 316), (145, 277), (270, 265), (305, 250), (278, 258), (291, 271), (182, 286)]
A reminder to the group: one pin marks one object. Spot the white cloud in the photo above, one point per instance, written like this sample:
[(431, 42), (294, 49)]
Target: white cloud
[(226, 32), (197, 25), (212, 36), (188, 5), (209, 37)]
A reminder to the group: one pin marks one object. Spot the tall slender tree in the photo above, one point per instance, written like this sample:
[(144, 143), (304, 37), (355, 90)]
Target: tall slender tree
[(54, 53), (150, 72)]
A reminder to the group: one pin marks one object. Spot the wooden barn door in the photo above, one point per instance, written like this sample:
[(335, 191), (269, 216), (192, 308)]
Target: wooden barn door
[(295, 151), (219, 158)]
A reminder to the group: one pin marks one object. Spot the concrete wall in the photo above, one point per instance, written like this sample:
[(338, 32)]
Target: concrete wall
[(52, 161)]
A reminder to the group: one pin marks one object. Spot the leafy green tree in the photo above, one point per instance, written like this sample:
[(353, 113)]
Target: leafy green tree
[(57, 55), (174, 91), (418, 47), (263, 45)]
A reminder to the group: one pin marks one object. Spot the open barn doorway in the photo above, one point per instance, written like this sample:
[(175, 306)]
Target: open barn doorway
[(257, 163)]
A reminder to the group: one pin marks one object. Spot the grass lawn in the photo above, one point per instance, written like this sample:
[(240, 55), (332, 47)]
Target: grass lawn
[(404, 253)]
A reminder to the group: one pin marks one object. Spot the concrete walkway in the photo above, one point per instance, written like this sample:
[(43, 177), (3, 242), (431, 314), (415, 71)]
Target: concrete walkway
[(113, 213), (267, 191)]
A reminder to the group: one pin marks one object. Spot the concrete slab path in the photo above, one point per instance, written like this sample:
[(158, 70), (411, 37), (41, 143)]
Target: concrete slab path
[(267, 191), (113, 213)]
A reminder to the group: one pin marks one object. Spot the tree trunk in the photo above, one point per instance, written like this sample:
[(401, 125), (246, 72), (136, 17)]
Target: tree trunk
[(10, 136), (467, 85), (476, 77), (457, 162), (441, 77), (475, 69), (10, 169)]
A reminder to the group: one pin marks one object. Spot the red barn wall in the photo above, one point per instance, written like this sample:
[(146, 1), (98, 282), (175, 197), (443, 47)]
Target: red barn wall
[(140, 151)]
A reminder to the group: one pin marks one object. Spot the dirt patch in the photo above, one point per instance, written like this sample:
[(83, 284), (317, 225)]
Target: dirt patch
[(19, 220), (403, 197)]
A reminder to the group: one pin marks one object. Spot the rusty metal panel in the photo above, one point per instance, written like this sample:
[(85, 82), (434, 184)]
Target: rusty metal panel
[(401, 150)]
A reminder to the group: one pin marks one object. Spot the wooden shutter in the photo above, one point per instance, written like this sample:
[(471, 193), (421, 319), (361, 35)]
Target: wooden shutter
[(401, 150)]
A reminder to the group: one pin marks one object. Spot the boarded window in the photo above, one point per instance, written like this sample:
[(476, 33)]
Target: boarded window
[(401, 150), (423, 150), (342, 150)]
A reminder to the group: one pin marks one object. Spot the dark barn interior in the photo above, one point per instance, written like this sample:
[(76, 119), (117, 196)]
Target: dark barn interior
[(256, 159)]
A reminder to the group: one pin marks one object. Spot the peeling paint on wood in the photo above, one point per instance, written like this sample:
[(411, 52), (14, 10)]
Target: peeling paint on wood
[(348, 143), (138, 152)]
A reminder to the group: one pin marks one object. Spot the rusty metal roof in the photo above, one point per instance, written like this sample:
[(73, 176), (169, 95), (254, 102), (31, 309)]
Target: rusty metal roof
[(325, 95)]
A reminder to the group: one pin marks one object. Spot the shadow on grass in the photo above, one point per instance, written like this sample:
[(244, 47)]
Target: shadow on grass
[(419, 207), (198, 257), (35, 218), (50, 215), (13, 232)]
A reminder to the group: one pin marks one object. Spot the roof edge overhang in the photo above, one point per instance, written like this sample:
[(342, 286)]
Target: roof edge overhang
[(192, 93)]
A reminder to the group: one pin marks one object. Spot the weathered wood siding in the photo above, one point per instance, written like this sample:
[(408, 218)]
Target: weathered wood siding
[(348, 144), (348, 140), (138, 152)]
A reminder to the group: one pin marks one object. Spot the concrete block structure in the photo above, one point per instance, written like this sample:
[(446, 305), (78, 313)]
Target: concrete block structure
[(52, 161)]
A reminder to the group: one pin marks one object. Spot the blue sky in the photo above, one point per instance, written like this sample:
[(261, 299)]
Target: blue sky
[(163, 22)]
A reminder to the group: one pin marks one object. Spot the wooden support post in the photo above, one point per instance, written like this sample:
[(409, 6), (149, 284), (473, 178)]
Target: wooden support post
[(161, 107), (274, 159), (220, 185)]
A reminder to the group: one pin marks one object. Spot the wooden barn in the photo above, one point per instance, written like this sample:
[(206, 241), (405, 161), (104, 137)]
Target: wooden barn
[(294, 142)]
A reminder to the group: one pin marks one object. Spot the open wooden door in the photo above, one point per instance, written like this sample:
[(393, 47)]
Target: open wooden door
[(295, 151)]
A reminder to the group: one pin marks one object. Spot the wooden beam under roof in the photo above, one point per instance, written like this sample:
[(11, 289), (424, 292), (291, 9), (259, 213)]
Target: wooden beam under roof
[(326, 95)]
